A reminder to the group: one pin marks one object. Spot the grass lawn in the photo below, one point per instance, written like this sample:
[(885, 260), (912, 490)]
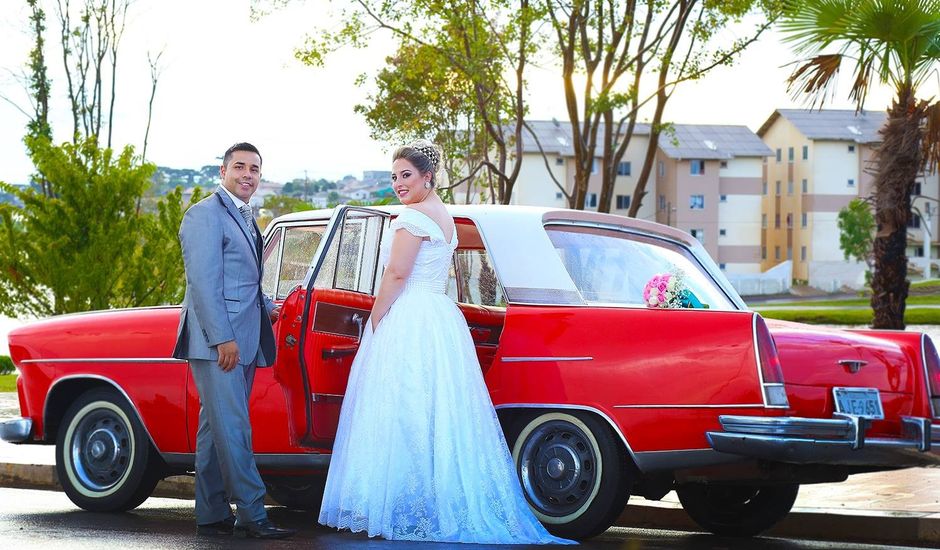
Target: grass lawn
[(847, 316), (912, 300), (7, 382)]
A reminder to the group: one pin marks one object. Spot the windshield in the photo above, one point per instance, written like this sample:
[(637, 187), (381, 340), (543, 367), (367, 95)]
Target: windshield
[(614, 267)]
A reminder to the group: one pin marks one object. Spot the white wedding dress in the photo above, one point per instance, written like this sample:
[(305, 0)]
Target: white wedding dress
[(419, 453)]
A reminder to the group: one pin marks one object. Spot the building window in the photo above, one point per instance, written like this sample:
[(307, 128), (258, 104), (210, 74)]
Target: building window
[(698, 234), (764, 185), (623, 202), (697, 167), (790, 154), (778, 154), (789, 253), (662, 202), (722, 232), (590, 200), (763, 220), (763, 252), (805, 186), (559, 195), (803, 219), (917, 188), (623, 169), (790, 187), (806, 152), (723, 164), (851, 148), (851, 182), (776, 252), (662, 168), (918, 251), (559, 161), (914, 222), (721, 267), (777, 223), (789, 221), (723, 198), (802, 253), (594, 166), (697, 202), (778, 188)]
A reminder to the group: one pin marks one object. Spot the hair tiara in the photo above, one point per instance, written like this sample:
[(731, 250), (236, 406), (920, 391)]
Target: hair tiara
[(429, 151)]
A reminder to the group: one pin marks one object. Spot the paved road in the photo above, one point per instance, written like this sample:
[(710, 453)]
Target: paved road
[(43, 519)]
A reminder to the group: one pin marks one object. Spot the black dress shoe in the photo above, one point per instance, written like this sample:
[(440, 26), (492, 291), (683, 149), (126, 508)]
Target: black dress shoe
[(262, 529), (218, 528)]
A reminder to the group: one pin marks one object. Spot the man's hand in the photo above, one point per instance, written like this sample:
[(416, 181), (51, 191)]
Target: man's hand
[(275, 313), (228, 355)]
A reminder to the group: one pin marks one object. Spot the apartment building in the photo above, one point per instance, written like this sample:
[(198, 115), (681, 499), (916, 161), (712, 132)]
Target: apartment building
[(708, 183), (536, 187), (822, 160)]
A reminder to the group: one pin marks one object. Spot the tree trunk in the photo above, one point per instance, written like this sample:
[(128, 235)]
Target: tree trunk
[(899, 159)]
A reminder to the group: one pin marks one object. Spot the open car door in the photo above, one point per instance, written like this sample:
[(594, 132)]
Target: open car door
[(329, 313)]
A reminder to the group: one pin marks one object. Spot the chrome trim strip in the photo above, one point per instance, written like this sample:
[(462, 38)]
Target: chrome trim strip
[(935, 433), (542, 359), (16, 430), (45, 405), (599, 412), (671, 406), (107, 360), (923, 360)]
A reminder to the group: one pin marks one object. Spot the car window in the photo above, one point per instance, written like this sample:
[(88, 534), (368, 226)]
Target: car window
[(271, 250), (474, 279), (614, 267), (351, 263), (300, 244)]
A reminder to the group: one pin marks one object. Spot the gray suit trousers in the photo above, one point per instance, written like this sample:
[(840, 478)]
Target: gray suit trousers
[(225, 464)]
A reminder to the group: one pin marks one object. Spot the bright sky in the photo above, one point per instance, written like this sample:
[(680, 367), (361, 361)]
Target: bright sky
[(227, 79)]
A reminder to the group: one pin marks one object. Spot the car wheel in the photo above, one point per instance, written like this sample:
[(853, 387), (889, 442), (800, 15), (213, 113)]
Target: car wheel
[(104, 459), (572, 471), (737, 510), (297, 493)]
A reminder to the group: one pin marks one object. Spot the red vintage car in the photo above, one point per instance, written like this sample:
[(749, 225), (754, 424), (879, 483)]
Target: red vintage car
[(601, 395)]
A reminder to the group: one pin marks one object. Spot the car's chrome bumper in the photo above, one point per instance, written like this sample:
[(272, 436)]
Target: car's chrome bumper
[(16, 430), (839, 441)]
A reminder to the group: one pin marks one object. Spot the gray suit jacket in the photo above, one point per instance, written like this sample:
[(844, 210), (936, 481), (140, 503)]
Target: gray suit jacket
[(223, 298)]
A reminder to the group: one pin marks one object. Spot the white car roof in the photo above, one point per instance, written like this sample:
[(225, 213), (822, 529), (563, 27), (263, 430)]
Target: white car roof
[(526, 263)]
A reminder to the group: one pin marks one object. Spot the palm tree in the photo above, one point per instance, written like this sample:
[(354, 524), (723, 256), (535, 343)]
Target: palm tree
[(892, 42)]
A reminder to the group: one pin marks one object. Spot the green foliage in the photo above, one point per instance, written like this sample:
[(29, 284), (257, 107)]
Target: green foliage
[(857, 231), (85, 242), (840, 316), (6, 365), (283, 204)]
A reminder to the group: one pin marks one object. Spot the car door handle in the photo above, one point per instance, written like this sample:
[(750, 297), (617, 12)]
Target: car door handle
[(337, 352), (357, 319)]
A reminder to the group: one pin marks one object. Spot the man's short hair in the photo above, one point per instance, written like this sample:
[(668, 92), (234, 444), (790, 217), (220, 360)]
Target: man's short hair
[(243, 146)]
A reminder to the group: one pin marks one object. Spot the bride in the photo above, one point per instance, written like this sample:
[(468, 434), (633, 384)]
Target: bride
[(419, 453)]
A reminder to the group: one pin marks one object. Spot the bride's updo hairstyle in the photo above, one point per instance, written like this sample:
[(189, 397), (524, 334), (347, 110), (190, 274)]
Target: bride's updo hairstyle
[(423, 155)]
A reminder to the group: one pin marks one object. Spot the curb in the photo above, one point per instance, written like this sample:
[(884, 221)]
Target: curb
[(911, 528)]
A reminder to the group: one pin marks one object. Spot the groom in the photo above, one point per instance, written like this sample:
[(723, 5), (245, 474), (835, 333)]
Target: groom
[(225, 332)]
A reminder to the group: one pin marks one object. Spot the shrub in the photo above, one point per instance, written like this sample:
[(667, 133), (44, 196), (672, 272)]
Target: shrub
[(6, 365)]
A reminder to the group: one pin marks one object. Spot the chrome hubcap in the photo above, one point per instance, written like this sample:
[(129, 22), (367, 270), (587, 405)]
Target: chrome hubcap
[(558, 468), (100, 450)]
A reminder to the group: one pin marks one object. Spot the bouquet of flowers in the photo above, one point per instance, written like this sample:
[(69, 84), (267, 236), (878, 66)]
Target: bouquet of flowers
[(667, 290)]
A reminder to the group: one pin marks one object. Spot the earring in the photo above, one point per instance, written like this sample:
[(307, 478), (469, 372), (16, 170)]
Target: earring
[(427, 185)]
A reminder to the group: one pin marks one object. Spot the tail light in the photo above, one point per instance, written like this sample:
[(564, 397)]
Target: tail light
[(771, 373), (932, 370)]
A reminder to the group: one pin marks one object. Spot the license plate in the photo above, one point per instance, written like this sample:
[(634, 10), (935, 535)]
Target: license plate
[(863, 402)]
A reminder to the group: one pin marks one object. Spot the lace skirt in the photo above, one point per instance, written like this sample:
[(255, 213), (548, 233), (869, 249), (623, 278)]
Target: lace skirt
[(419, 452)]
